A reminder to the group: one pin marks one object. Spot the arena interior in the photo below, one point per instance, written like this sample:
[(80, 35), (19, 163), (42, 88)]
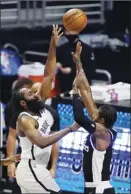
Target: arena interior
[(26, 27)]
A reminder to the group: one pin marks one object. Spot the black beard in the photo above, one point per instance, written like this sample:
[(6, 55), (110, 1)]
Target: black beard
[(35, 106)]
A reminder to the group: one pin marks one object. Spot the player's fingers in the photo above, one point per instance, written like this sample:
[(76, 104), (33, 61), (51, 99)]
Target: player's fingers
[(78, 47), (53, 27), (53, 30), (17, 158), (56, 27), (60, 34), (81, 71), (59, 29), (77, 73)]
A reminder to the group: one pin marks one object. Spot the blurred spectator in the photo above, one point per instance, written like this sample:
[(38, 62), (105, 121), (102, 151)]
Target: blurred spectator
[(65, 59), (23, 82)]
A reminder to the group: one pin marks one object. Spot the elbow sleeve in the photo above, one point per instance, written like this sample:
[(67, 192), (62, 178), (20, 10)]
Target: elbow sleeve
[(77, 109), (79, 116)]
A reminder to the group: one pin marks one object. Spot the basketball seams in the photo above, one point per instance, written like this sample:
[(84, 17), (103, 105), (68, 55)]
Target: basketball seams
[(73, 30), (75, 19), (67, 14), (80, 25)]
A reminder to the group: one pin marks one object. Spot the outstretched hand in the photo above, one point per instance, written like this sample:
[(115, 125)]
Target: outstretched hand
[(57, 33), (80, 79), (77, 55)]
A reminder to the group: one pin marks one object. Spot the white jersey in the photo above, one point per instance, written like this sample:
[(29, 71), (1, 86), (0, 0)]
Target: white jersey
[(31, 151)]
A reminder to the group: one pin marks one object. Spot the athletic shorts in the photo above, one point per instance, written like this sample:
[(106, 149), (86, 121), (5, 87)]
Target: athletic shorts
[(35, 178), (103, 188)]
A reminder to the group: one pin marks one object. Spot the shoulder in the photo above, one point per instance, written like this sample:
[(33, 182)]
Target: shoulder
[(51, 110), (25, 119)]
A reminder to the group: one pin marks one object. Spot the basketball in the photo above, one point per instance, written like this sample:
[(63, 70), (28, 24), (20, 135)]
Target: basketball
[(74, 21)]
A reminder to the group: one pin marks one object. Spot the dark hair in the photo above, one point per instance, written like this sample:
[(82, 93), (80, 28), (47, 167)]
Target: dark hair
[(17, 96), (109, 114), (21, 82)]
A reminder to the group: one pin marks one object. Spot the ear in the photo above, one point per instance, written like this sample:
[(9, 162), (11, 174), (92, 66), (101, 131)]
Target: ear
[(23, 103), (102, 121)]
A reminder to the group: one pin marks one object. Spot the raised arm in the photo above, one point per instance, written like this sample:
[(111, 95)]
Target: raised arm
[(27, 125), (83, 84), (86, 94), (88, 124), (50, 67)]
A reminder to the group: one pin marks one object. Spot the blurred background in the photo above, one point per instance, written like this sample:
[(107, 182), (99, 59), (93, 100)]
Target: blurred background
[(25, 33)]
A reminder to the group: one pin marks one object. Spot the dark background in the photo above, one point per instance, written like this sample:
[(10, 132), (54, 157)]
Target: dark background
[(117, 63)]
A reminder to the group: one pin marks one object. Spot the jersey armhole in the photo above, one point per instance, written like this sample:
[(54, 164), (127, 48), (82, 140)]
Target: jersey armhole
[(112, 136), (27, 114)]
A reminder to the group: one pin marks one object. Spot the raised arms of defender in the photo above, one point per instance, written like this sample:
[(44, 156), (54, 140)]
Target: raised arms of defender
[(82, 82)]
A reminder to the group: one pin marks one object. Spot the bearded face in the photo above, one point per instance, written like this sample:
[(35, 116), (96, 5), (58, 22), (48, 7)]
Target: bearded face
[(35, 105), (31, 101)]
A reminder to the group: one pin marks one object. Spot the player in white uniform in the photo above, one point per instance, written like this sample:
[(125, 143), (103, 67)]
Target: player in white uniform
[(33, 127), (31, 174)]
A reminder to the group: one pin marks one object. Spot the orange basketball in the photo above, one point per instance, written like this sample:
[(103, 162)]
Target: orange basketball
[(74, 21)]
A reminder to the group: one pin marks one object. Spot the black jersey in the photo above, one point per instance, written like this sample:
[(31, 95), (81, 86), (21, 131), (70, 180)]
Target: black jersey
[(96, 164)]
